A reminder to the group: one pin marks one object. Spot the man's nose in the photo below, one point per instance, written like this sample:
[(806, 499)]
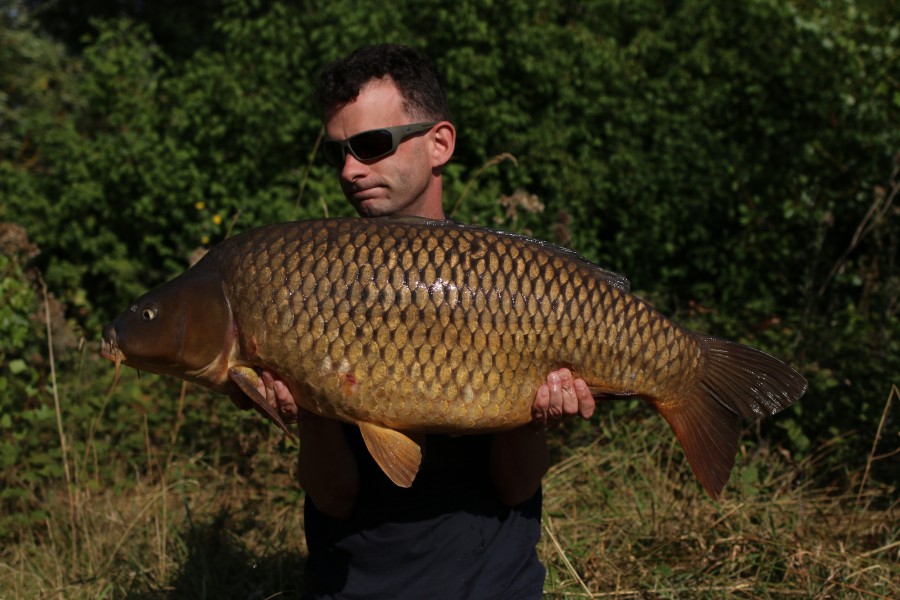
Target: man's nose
[(353, 168)]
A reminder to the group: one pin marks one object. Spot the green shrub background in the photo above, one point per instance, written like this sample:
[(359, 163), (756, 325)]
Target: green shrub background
[(737, 161)]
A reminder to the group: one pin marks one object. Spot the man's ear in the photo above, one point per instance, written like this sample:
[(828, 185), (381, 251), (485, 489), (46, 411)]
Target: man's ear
[(443, 138)]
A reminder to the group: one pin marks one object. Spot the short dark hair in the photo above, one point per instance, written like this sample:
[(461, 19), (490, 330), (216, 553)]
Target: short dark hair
[(424, 96)]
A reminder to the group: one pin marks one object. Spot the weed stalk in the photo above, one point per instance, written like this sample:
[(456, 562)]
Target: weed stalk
[(59, 421), (872, 458)]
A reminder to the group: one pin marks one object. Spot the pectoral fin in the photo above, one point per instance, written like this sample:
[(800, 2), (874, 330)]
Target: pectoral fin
[(397, 455), (246, 379)]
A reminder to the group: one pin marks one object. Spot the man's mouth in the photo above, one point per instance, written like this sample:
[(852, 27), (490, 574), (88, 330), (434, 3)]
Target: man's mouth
[(366, 193)]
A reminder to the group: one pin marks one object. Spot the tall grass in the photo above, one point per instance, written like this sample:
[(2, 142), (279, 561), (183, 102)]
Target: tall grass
[(623, 518), (186, 527)]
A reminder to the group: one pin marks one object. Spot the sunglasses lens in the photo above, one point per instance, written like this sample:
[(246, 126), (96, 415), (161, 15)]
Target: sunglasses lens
[(372, 144)]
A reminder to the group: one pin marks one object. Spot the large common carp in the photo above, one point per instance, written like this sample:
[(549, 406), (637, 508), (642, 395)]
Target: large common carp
[(406, 325)]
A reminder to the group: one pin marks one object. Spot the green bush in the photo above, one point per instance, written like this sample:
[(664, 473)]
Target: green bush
[(736, 160), (25, 423)]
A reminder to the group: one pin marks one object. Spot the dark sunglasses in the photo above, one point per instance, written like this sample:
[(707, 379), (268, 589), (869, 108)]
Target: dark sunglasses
[(372, 144)]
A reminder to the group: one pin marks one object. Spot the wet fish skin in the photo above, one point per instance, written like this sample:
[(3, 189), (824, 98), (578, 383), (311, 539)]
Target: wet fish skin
[(406, 325)]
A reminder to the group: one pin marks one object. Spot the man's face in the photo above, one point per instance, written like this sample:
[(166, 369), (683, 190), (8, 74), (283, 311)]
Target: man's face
[(397, 184)]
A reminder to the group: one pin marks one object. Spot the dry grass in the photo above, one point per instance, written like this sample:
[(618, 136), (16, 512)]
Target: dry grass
[(623, 518), (195, 533), (620, 527)]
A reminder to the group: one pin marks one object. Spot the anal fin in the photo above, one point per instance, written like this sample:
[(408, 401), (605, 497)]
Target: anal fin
[(397, 455), (246, 379)]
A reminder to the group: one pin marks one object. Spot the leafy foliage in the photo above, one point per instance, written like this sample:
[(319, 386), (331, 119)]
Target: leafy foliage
[(22, 421), (738, 161)]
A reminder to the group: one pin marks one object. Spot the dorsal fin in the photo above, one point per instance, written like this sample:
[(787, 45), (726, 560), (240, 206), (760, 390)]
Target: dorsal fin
[(397, 455)]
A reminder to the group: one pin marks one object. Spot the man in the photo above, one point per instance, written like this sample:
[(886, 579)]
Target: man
[(468, 526)]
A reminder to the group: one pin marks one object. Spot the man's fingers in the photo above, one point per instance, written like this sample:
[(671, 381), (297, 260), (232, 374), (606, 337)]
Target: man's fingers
[(585, 399), (561, 396), (278, 396), (540, 406), (286, 403), (567, 393), (555, 406)]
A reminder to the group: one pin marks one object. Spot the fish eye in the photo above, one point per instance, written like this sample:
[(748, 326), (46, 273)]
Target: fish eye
[(148, 313)]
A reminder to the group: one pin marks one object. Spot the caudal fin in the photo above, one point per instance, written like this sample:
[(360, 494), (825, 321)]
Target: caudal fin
[(737, 381)]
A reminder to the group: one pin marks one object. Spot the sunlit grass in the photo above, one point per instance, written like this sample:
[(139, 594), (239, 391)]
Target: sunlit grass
[(195, 532), (623, 518)]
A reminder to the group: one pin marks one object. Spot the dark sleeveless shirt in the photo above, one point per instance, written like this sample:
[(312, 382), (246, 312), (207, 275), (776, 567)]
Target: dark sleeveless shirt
[(447, 536)]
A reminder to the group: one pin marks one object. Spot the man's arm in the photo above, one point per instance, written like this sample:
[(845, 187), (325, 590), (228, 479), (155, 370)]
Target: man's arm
[(326, 467), (520, 458)]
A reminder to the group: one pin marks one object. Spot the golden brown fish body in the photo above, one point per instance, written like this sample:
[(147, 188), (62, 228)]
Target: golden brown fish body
[(428, 326), (438, 328)]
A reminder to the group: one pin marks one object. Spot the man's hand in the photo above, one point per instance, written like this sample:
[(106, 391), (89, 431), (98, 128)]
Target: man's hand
[(561, 396), (279, 397)]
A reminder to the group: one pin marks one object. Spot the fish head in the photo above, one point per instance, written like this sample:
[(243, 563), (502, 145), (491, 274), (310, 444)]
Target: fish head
[(184, 328)]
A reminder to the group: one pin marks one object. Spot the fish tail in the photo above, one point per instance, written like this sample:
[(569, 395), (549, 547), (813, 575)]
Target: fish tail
[(736, 381)]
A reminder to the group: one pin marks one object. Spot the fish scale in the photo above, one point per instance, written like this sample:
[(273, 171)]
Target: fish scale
[(407, 325), (409, 321)]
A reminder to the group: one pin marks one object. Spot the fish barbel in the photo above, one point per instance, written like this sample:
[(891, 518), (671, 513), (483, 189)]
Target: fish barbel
[(405, 325)]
